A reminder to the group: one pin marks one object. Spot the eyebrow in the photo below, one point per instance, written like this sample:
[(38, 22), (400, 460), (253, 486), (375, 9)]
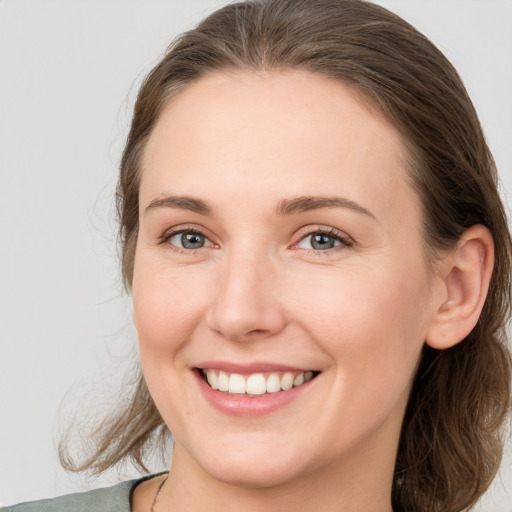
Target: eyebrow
[(183, 202), (285, 207), (306, 203)]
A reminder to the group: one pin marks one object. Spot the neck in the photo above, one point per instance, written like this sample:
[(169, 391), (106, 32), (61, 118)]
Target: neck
[(349, 487)]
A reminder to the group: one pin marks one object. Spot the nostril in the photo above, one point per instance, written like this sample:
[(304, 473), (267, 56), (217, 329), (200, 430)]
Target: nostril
[(255, 332)]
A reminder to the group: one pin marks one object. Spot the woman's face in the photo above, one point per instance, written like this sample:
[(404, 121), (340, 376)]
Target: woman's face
[(279, 242)]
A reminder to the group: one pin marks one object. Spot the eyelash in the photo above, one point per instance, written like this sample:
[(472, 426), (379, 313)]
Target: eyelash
[(169, 234), (345, 241)]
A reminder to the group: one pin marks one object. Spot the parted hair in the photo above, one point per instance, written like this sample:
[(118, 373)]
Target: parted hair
[(452, 435)]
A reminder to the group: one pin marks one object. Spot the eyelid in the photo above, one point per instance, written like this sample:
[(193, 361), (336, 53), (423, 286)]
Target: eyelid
[(346, 240), (301, 234), (184, 228)]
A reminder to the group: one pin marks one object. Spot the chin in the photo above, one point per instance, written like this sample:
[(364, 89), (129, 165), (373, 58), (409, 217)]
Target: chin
[(252, 476), (256, 467)]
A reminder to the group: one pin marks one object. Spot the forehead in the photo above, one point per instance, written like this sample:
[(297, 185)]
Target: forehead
[(292, 132)]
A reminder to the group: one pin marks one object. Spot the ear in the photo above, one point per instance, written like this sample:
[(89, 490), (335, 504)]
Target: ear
[(465, 276)]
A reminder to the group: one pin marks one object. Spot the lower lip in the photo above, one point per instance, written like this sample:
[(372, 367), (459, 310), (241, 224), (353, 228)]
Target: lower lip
[(242, 405)]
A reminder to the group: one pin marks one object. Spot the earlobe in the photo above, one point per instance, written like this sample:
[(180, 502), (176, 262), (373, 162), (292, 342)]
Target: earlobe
[(467, 274)]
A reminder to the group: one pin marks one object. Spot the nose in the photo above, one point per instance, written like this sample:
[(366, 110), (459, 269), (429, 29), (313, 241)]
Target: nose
[(246, 305)]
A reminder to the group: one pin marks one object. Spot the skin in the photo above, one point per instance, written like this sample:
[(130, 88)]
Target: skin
[(258, 291)]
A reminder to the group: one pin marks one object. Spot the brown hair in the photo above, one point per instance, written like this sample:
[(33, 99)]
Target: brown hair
[(450, 446)]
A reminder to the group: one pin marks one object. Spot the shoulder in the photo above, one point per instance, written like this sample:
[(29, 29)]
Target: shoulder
[(107, 499)]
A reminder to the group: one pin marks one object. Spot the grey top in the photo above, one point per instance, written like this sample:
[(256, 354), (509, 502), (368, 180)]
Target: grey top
[(108, 499)]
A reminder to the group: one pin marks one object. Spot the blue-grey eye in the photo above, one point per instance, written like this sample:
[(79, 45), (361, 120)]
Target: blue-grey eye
[(188, 240), (321, 241)]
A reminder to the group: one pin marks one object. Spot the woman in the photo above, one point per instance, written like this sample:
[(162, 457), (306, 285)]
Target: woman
[(320, 269)]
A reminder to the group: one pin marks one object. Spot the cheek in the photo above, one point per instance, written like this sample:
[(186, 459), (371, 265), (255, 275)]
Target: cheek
[(166, 309), (166, 306), (372, 325), (368, 321)]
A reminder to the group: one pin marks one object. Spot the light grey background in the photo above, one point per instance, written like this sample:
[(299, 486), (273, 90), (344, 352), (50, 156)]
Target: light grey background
[(68, 74)]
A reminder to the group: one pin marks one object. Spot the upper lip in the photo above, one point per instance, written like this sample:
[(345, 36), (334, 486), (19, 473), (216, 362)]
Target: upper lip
[(246, 368)]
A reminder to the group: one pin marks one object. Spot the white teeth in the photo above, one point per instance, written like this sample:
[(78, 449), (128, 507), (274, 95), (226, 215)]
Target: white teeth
[(212, 378), (287, 381), (236, 384), (256, 383), (299, 380), (223, 381), (273, 383)]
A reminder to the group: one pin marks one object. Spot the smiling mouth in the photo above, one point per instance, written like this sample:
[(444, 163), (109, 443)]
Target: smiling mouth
[(255, 384)]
